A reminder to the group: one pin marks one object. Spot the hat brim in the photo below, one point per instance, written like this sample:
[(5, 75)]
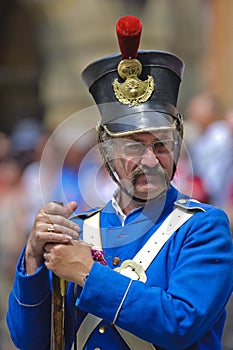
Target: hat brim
[(120, 119), (145, 121)]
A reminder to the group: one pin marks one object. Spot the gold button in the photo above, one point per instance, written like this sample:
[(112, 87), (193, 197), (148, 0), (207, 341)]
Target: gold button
[(97, 349), (102, 329), (182, 201), (116, 260)]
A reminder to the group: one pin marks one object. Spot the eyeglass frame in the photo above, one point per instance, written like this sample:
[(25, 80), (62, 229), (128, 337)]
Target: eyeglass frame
[(145, 146)]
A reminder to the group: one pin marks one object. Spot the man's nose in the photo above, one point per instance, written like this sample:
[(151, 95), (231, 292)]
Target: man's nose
[(149, 158)]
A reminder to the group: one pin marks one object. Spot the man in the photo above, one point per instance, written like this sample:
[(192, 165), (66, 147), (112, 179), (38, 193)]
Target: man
[(153, 267)]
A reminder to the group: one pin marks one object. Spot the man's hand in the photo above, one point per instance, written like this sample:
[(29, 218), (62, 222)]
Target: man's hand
[(52, 216), (72, 261)]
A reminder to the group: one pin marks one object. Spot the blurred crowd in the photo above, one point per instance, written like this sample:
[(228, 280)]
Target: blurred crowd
[(206, 163), (36, 167)]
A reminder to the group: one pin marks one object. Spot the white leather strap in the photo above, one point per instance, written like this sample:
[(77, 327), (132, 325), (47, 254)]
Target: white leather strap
[(90, 323), (92, 235), (154, 244), (86, 328), (134, 342), (91, 231)]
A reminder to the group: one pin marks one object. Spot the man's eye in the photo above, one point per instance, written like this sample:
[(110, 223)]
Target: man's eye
[(162, 144)]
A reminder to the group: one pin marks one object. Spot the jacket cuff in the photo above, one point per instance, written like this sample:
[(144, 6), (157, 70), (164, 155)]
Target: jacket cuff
[(25, 286), (104, 292)]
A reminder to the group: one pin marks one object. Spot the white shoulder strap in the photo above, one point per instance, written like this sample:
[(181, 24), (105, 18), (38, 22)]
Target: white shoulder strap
[(154, 244), (91, 231), (143, 259)]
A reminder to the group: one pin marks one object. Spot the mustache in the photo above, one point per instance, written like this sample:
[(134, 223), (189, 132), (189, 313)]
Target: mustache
[(144, 170)]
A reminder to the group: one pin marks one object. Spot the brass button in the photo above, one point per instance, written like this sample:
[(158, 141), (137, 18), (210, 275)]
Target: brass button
[(116, 260), (182, 201), (97, 349), (102, 329)]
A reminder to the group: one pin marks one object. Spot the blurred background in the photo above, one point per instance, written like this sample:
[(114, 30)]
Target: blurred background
[(45, 44)]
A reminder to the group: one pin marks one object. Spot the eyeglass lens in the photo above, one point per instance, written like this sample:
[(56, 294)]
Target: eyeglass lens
[(159, 147)]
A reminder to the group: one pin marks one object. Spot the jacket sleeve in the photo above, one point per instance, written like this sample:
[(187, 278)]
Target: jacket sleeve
[(28, 315), (199, 286)]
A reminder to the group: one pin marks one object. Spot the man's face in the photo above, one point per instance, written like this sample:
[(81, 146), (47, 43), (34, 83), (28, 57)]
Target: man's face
[(144, 162)]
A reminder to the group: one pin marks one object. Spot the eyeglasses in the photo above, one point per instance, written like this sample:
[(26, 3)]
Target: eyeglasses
[(137, 149)]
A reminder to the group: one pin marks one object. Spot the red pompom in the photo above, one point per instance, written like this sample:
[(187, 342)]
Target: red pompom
[(129, 30)]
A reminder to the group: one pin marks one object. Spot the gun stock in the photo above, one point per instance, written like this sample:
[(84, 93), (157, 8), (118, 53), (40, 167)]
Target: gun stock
[(58, 313), (57, 340)]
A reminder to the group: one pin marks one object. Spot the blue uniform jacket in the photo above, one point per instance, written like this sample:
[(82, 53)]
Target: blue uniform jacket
[(182, 304)]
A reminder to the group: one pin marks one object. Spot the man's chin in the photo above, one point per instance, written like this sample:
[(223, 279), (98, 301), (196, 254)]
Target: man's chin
[(149, 186), (149, 192)]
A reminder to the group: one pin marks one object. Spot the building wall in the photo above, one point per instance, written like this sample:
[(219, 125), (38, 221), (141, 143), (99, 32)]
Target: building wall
[(76, 33), (68, 34), (219, 58)]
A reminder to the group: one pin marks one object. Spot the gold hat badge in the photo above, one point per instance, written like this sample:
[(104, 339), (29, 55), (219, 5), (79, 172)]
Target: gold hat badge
[(133, 91)]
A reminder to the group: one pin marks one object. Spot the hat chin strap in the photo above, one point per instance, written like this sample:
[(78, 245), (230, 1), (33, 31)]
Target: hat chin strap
[(130, 195), (113, 176), (123, 189), (117, 181)]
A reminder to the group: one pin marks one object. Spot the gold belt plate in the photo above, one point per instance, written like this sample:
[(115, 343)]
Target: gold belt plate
[(135, 267)]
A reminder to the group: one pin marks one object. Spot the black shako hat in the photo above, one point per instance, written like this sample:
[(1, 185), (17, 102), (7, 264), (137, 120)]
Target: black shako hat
[(135, 91)]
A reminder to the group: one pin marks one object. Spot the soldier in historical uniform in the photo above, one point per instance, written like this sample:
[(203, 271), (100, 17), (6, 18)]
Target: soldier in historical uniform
[(153, 267)]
